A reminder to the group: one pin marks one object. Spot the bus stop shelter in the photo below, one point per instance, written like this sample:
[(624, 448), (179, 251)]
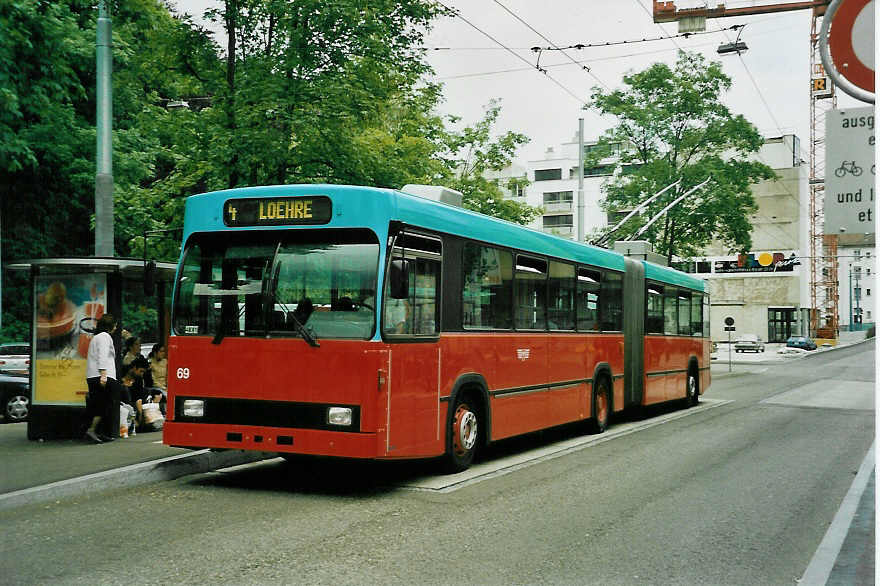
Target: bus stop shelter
[(69, 296)]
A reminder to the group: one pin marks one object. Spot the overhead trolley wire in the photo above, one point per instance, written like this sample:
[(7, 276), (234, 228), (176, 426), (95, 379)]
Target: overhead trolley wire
[(555, 65), (457, 13), (553, 46)]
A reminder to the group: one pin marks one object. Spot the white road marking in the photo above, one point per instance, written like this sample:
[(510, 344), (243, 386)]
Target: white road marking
[(820, 567)]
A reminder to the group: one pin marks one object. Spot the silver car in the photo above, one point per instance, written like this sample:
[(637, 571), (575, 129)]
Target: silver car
[(15, 358), (749, 343)]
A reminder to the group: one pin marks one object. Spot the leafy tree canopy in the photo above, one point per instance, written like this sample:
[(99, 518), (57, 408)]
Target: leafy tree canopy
[(671, 124)]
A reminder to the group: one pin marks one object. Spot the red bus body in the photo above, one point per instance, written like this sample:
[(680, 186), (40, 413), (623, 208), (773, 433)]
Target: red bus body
[(403, 389)]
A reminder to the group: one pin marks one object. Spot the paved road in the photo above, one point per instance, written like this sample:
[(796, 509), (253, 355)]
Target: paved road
[(740, 493)]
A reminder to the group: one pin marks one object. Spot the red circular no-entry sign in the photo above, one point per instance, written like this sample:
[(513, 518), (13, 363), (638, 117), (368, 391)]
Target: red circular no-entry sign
[(851, 42)]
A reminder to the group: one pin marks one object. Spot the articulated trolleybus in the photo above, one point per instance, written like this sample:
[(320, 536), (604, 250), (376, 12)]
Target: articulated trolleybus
[(374, 323)]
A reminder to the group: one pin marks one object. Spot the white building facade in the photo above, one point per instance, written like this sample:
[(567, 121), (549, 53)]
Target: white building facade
[(857, 280)]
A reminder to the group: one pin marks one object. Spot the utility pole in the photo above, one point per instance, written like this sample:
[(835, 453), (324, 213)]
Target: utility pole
[(580, 220), (104, 128)]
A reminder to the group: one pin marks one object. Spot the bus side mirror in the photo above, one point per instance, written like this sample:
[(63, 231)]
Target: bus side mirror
[(149, 277), (399, 279)]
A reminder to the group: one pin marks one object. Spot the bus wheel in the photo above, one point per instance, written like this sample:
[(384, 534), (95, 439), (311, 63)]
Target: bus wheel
[(461, 442), (693, 394), (601, 407)]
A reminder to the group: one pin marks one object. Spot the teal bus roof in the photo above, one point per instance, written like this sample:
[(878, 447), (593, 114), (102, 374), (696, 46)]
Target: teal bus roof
[(673, 277), (370, 207)]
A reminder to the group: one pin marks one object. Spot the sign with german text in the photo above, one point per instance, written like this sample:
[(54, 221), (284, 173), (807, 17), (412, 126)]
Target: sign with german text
[(849, 171), (277, 211)]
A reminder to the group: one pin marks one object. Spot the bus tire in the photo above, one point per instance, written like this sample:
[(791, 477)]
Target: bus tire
[(601, 406), (692, 397), (462, 437)]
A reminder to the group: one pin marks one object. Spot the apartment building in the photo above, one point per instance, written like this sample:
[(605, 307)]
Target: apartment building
[(856, 281)]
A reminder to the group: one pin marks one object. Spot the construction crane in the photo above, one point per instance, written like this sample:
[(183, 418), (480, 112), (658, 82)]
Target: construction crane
[(824, 318)]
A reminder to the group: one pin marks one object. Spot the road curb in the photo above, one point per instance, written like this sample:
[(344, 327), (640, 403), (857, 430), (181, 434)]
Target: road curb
[(133, 475)]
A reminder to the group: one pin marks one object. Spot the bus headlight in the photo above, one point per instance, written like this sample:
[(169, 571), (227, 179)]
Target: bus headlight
[(339, 416), (193, 408)]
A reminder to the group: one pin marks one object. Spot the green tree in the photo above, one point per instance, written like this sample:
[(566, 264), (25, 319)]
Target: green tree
[(307, 83), (47, 128), (671, 124), (471, 154)]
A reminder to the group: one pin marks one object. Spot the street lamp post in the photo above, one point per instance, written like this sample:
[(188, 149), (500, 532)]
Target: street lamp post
[(104, 129)]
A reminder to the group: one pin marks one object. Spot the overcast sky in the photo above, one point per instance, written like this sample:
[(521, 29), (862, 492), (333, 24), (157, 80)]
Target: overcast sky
[(770, 80)]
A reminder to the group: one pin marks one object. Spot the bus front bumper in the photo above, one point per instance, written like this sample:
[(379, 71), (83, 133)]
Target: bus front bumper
[(271, 439)]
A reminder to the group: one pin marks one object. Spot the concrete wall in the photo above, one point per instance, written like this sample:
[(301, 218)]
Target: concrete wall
[(746, 299)]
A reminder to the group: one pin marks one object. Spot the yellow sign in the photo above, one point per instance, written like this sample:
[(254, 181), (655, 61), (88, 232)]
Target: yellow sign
[(60, 381), (66, 312), (277, 211), (285, 210)]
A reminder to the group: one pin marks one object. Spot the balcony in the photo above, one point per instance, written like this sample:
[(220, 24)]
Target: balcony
[(557, 206), (564, 230)]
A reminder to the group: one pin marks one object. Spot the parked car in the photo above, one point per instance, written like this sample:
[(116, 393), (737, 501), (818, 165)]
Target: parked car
[(749, 343), (15, 358), (15, 396), (801, 342)]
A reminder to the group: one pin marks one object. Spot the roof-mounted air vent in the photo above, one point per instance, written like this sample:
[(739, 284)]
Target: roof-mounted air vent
[(435, 193)]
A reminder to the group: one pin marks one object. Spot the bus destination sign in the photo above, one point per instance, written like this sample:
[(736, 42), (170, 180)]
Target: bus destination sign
[(277, 211)]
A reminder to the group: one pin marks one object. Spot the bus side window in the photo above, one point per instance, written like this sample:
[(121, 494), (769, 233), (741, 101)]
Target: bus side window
[(560, 308), (530, 285), (684, 313), (487, 287), (588, 283), (424, 295), (670, 311), (707, 306), (697, 315), (654, 317), (611, 302), (418, 313)]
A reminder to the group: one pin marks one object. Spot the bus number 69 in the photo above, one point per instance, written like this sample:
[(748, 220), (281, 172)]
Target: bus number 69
[(183, 373)]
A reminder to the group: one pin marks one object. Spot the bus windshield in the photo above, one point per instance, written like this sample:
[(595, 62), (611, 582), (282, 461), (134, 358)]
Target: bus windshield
[(279, 284)]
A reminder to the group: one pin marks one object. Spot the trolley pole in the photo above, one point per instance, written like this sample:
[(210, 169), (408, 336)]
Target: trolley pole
[(104, 128)]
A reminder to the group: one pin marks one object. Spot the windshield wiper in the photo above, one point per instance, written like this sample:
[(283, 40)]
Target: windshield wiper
[(221, 327), (306, 332)]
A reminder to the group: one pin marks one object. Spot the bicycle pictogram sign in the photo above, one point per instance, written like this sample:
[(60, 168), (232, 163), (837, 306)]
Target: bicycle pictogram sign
[(848, 167)]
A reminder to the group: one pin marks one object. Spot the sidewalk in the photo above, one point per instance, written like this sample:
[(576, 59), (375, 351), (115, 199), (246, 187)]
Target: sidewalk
[(37, 471)]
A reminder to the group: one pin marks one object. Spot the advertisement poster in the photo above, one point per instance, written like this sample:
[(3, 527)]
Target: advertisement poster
[(67, 311)]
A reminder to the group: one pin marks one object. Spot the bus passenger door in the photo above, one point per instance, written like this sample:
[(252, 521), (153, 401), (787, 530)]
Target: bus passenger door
[(411, 322), (413, 400)]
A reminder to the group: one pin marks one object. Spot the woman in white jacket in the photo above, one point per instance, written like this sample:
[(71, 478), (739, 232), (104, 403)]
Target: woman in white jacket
[(101, 378)]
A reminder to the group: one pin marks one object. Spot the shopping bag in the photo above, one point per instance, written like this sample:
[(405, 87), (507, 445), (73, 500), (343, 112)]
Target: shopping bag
[(153, 419)]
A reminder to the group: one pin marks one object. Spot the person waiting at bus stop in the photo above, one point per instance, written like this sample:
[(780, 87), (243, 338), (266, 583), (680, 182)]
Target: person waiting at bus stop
[(142, 390), (132, 349), (103, 393)]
